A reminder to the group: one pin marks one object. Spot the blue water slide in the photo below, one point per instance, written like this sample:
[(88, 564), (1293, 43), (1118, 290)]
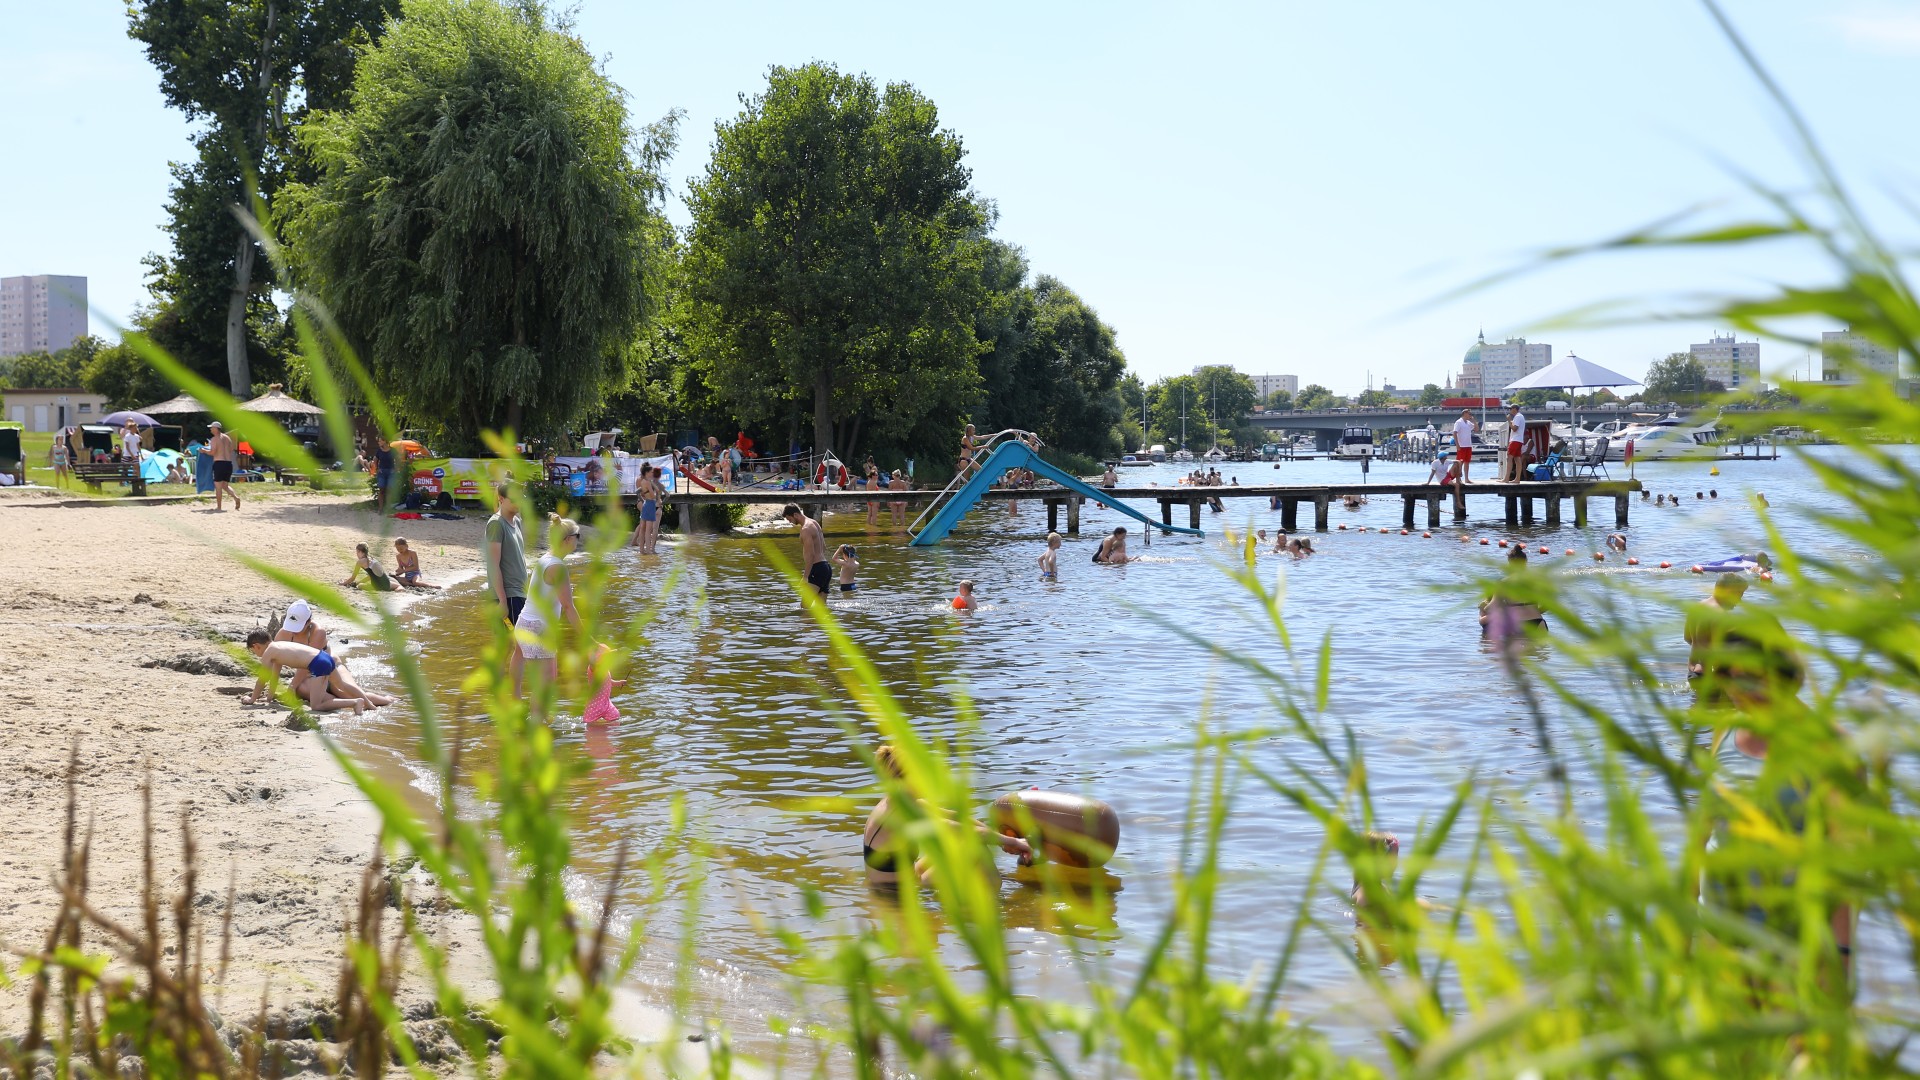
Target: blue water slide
[(1014, 454)]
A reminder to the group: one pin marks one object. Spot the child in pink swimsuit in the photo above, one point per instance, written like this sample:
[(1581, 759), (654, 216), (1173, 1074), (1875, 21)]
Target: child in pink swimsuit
[(601, 709)]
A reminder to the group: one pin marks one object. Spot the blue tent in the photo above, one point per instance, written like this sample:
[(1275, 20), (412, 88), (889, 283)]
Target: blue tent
[(155, 463)]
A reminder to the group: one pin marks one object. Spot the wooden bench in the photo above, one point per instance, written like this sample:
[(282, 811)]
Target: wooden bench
[(117, 472)]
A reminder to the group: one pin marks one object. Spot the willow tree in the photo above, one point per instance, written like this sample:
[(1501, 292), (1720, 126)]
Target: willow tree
[(478, 226), (833, 265)]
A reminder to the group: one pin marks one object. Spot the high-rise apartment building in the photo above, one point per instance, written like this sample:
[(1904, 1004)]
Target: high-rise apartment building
[(1488, 369), (1733, 364), (1838, 348), (41, 313)]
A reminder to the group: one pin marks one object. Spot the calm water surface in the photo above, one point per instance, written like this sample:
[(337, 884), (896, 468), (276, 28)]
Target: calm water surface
[(1077, 688)]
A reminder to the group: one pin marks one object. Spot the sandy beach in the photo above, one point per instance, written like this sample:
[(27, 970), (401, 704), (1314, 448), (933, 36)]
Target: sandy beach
[(96, 593)]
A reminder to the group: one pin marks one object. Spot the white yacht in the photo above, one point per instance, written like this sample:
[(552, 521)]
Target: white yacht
[(1182, 454), (1158, 453), (1355, 443), (1671, 439)]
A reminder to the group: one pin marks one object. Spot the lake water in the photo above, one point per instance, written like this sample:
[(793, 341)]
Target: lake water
[(1079, 687)]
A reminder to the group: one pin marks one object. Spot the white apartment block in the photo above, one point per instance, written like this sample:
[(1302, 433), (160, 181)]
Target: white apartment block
[(1733, 364), (1839, 347), (1504, 363), (41, 313), (1264, 386)]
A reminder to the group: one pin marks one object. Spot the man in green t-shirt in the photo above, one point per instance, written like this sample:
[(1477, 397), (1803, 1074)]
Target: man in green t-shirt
[(506, 554)]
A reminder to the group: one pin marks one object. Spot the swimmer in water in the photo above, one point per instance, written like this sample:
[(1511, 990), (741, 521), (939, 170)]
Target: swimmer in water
[(1279, 543), (883, 856), (1049, 559), (1699, 495), (1713, 493), (849, 564), (964, 601), (1761, 497), (1616, 542), (1377, 864), (1661, 501), (1113, 550)]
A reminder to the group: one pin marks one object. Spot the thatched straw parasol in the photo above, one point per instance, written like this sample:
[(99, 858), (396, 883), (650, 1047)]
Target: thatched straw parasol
[(275, 402)]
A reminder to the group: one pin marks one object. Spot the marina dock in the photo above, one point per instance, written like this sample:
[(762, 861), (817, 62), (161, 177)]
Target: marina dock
[(1520, 498)]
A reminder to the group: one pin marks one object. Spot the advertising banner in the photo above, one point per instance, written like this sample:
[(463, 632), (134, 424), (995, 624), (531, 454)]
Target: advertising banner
[(592, 475), (465, 478)]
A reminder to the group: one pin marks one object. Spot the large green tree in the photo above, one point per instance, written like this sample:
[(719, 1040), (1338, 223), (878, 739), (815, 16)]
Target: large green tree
[(1431, 395), (1675, 377), (477, 225), (834, 263), (248, 71), (1051, 365)]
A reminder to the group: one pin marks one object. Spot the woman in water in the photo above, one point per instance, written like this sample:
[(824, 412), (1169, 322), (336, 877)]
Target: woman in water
[(1505, 619), (650, 491), (549, 596), (882, 855)]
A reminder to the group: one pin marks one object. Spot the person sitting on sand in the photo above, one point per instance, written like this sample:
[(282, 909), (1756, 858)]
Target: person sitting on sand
[(964, 600), (882, 856), (1050, 559), (848, 561), (406, 565), (315, 676), (1113, 549), (376, 574)]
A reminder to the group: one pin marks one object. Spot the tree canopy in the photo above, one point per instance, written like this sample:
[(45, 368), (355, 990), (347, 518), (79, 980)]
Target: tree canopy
[(1052, 366), (1677, 375), (1431, 395), (477, 225), (1314, 396), (834, 266), (248, 70)]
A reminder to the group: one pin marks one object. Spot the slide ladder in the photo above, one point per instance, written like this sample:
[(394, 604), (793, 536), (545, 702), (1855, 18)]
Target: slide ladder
[(939, 519)]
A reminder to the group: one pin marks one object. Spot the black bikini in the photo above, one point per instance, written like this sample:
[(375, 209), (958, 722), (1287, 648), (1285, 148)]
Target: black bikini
[(879, 861)]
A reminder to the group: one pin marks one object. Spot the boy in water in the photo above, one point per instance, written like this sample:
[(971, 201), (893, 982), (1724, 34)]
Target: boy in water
[(1050, 559), (376, 574), (849, 564), (964, 601), (316, 674)]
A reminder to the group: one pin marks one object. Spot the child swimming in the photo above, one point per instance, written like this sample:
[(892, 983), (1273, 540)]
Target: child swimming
[(964, 601)]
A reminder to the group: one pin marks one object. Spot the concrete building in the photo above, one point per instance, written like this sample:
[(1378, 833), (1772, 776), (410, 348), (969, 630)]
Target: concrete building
[(1733, 364), (1488, 369), (1264, 386), (42, 313), (54, 408), (1841, 348)]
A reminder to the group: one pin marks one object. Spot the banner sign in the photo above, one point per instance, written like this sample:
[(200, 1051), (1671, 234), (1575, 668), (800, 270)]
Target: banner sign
[(591, 475), (465, 478)]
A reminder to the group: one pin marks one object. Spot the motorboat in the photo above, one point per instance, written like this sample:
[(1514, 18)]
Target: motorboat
[(1216, 454), (1672, 439), (1158, 452), (1355, 443), (1182, 454), (1134, 461)]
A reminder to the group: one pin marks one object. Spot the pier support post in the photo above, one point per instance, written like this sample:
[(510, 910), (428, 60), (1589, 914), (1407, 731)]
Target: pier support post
[(1619, 511), (1166, 511), (1406, 511), (1459, 502), (1053, 515), (1193, 513), (1433, 511), (1553, 509), (1289, 514), (1320, 504), (1526, 509), (1580, 511), (1073, 515), (1513, 510)]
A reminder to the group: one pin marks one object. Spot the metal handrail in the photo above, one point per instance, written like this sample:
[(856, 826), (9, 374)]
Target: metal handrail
[(960, 477)]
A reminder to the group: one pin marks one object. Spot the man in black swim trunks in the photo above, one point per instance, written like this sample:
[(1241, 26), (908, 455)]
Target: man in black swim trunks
[(813, 548), (220, 445)]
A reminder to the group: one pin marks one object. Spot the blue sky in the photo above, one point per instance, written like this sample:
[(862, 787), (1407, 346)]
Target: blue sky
[(1280, 186)]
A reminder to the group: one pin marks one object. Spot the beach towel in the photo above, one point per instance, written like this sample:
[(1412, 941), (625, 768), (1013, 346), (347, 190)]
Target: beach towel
[(408, 515)]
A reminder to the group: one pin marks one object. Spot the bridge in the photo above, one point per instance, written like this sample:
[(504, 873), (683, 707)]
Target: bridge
[(1327, 423)]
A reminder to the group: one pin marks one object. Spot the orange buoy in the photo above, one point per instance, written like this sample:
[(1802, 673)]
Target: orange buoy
[(1695, 569), (1503, 543), (1343, 528), (1598, 557), (1569, 551), (1766, 575), (1633, 562), (1070, 829), (1426, 536), (1666, 566), (1403, 532), (1483, 542), (1543, 551)]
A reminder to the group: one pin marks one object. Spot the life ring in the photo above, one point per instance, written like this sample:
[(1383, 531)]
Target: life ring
[(1071, 830)]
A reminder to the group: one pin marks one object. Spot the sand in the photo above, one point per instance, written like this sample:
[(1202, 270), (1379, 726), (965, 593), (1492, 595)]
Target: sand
[(91, 593)]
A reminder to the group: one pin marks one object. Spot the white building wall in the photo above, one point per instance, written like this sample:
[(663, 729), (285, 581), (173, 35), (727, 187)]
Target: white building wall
[(41, 313), (1733, 364), (1265, 385), (1839, 346), (1504, 363)]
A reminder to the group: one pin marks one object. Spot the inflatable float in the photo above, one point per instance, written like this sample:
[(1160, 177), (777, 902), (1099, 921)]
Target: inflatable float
[(1736, 564), (1072, 831)]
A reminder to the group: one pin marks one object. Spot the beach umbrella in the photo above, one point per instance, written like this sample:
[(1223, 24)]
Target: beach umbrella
[(1570, 373), (124, 416), (183, 405), (275, 402)]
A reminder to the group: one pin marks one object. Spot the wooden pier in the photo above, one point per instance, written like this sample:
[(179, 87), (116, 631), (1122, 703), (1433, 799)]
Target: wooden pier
[(1520, 498)]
